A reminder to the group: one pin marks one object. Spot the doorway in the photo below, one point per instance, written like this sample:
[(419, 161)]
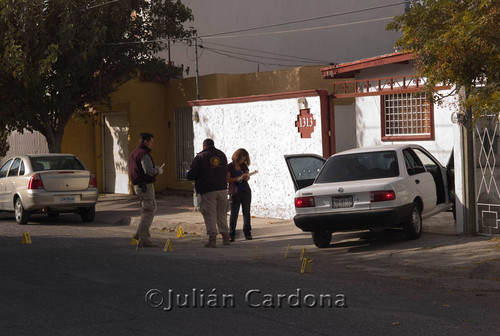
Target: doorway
[(115, 153)]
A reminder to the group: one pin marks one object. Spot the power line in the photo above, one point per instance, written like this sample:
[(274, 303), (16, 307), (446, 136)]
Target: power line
[(301, 29), (306, 20), (214, 36), (260, 56), (254, 61), (263, 34), (266, 52)]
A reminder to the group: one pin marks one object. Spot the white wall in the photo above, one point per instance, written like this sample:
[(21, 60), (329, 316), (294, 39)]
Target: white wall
[(345, 127), (266, 129), (369, 127)]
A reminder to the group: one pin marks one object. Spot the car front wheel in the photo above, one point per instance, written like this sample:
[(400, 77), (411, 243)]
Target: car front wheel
[(322, 239), (87, 214), (413, 227), (22, 216)]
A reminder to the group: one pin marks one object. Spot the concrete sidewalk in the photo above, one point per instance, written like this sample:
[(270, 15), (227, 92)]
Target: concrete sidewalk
[(440, 255), (176, 209)]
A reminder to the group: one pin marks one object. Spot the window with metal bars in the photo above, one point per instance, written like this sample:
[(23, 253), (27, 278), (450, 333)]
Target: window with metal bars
[(184, 148), (407, 116)]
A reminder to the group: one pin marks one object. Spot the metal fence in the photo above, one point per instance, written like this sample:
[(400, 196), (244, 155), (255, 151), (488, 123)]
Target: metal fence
[(487, 175), (25, 143)]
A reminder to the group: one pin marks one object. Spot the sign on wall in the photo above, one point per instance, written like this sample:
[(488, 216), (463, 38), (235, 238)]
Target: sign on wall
[(305, 123)]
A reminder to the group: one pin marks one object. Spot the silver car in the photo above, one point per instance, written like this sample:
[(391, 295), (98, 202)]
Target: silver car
[(47, 183)]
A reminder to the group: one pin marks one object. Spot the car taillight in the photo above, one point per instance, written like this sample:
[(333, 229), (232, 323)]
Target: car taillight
[(304, 202), (382, 195), (36, 182), (92, 181)]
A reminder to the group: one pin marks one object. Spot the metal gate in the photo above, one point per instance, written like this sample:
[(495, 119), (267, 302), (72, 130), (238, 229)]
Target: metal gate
[(487, 175), (184, 147)]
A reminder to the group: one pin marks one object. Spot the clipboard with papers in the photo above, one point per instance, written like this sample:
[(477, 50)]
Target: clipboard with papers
[(250, 174)]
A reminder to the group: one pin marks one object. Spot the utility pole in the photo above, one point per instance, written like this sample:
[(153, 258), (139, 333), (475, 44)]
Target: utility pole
[(169, 61), (196, 63)]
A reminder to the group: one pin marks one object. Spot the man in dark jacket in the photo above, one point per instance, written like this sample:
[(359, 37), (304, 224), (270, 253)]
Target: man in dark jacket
[(143, 172), (209, 171)]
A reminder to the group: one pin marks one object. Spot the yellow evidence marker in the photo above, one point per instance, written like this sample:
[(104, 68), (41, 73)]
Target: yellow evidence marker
[(286, 252), (305, 264), (180, 232), (168, 246), (303, 253), (256, 253), (26, 238)]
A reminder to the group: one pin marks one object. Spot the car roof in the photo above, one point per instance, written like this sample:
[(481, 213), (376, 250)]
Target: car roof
[(394, 147), (42, 155)]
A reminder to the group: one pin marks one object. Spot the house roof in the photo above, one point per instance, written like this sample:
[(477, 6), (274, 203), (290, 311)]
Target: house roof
[(346, 70)]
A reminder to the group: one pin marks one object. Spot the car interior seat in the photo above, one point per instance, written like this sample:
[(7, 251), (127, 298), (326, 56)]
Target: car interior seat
[(393, 168)]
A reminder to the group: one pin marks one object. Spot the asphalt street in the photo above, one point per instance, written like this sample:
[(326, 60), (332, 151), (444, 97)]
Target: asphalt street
[(88, 279)]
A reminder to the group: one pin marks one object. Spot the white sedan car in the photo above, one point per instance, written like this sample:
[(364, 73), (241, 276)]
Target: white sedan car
[(368, 188), (47, 183)]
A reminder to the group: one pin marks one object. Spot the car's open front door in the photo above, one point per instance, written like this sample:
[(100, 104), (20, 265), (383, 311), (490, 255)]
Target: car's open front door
[(450, 174), (304, 168)]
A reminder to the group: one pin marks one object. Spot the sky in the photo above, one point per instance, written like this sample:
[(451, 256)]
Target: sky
[(328, 32)]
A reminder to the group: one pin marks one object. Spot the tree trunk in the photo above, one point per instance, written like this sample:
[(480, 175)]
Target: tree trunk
[(54, 141)]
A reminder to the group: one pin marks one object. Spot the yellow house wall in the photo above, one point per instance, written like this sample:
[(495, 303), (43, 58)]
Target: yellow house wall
[(150, 108), (79, 139)]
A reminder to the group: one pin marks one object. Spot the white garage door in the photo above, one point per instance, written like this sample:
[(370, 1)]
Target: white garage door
[(115, 153)]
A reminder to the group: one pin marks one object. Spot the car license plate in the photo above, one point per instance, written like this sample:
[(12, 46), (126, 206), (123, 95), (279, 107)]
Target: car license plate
[(342, 202), (67, 199)]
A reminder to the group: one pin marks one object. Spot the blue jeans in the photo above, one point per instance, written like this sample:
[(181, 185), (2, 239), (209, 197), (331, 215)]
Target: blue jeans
[(244, 199)]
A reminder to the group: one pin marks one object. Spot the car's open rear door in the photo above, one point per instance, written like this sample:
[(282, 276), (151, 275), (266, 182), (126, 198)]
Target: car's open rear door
[(304, 168)]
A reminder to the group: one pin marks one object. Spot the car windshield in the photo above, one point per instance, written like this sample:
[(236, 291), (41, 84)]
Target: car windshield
[(40, 163), (359, 166)]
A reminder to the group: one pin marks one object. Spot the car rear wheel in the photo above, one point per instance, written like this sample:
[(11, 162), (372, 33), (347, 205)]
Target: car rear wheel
[(413, 227), (87, 214), (322, 239), (22, 216)]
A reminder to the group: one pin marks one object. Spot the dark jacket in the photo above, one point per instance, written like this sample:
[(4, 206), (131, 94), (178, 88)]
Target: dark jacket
[(209, 171), (233, 188), (135, 170)]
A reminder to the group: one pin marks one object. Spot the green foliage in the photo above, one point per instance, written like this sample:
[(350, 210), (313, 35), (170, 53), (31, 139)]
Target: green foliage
[(61, 56), (456, 42)]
